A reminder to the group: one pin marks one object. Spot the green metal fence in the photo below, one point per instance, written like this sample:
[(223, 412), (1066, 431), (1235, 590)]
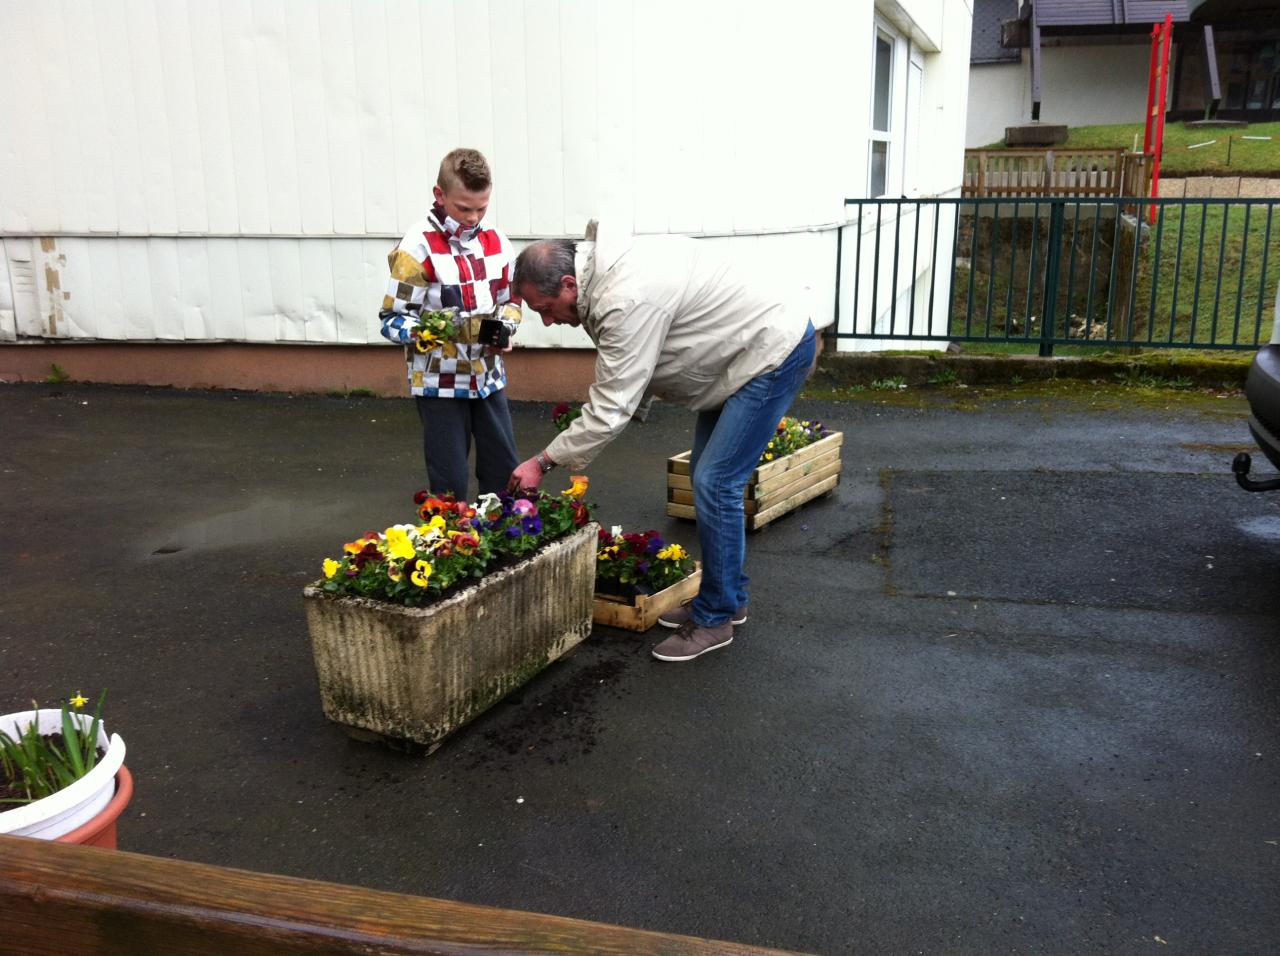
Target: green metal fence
[(1046, 272)]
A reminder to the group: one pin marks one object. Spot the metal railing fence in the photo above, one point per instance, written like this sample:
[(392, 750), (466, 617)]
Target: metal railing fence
[(1127, 272)]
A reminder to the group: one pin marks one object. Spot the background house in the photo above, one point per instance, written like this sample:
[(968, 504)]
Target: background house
[(204, 194), (1246, 48), (1095, 61)]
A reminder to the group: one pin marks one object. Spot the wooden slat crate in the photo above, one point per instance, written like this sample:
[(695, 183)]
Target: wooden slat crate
[(775, 488), (617, 612)]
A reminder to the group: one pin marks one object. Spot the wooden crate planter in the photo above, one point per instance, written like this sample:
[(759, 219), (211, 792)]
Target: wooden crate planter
[(417, 674), (775, 488), (641, 612)]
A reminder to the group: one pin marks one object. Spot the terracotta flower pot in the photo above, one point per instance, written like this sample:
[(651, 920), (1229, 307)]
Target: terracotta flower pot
[(101, 829), (80, 807)]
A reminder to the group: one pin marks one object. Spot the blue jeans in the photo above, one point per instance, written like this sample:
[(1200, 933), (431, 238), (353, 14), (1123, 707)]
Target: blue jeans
[(727, 444)]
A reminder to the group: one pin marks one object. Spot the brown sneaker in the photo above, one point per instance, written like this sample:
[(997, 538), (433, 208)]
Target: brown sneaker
[(678, 615), (690, 640)]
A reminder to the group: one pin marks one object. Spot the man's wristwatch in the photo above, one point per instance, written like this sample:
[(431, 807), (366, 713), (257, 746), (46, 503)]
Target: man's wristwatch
[(544, 463)]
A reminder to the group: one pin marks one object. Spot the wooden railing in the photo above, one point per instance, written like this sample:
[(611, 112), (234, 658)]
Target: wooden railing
[(993, 173), (57, 898)]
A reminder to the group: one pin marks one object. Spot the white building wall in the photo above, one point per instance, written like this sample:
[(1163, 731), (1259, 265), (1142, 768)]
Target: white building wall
[(882, 292), (237, 171), (1079, 86)]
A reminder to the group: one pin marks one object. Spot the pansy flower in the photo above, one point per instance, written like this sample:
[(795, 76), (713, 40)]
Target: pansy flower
[(398, 544), (356, 546), (421, 570), (370, 553)]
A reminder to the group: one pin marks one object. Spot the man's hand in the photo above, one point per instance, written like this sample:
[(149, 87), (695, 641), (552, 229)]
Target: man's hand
[(526, 475)]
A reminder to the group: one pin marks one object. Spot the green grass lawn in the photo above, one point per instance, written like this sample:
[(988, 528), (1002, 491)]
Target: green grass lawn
[(1199, 280), (1248, 157), (1218, 294)]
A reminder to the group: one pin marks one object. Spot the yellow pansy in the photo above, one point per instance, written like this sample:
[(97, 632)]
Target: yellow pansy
[(330, 567), (78, 701), (578, 488), (421, 571), (398, 544), (673, 552)]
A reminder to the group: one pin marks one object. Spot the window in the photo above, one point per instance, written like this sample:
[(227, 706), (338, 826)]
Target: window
[(897, 80), (882, 126)]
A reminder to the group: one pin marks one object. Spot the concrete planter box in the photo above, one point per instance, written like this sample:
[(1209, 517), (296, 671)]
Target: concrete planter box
[(774, 489), (417, 674)]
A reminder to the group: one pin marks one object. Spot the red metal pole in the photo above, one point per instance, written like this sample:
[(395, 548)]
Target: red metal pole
[(1151, 86), (1166, 40)]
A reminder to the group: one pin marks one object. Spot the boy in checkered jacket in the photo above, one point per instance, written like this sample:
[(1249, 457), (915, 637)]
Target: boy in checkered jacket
[(453, 259)]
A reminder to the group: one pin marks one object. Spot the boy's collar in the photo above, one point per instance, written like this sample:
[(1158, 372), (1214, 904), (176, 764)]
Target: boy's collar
[(450, 226)]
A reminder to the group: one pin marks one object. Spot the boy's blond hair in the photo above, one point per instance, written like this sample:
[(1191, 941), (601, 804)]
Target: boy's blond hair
[(466, 168)]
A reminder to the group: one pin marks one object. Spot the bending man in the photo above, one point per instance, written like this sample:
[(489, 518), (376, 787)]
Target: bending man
[(672, 317)]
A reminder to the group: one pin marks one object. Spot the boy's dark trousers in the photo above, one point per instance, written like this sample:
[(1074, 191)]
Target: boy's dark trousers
[(447, 427)]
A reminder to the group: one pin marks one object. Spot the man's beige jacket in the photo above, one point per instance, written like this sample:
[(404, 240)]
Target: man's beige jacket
[(671, 317)]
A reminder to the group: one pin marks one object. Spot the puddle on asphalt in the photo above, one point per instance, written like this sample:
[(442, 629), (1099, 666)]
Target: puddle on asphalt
[(270, 519), (1265, 528)]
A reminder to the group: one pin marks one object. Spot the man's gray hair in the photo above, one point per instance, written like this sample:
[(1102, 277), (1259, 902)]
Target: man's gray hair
[(543, 264)]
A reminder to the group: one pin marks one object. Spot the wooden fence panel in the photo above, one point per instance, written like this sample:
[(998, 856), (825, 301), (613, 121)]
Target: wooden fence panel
[(999, 173)]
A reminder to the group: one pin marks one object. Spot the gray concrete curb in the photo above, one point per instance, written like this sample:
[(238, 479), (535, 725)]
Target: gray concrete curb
[(842, 370)]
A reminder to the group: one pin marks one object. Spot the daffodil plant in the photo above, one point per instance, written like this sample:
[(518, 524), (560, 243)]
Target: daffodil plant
[(452, 542), (791, 435), (35, 765), (434, 329), (638, 562)]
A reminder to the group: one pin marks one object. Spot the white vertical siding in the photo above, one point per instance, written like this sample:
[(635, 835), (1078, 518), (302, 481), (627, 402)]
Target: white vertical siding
[(238, 170), (8, 324)]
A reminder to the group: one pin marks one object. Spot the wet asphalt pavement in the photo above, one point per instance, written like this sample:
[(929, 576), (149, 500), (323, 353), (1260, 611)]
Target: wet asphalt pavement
[(1013, 687)]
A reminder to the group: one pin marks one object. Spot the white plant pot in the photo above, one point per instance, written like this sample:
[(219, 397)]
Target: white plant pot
[(71, 807)]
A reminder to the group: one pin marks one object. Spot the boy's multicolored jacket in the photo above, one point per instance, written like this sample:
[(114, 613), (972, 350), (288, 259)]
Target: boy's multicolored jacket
[(441, 265)]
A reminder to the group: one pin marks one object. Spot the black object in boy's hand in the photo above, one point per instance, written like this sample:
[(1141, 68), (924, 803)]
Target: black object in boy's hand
[(494, 333)]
